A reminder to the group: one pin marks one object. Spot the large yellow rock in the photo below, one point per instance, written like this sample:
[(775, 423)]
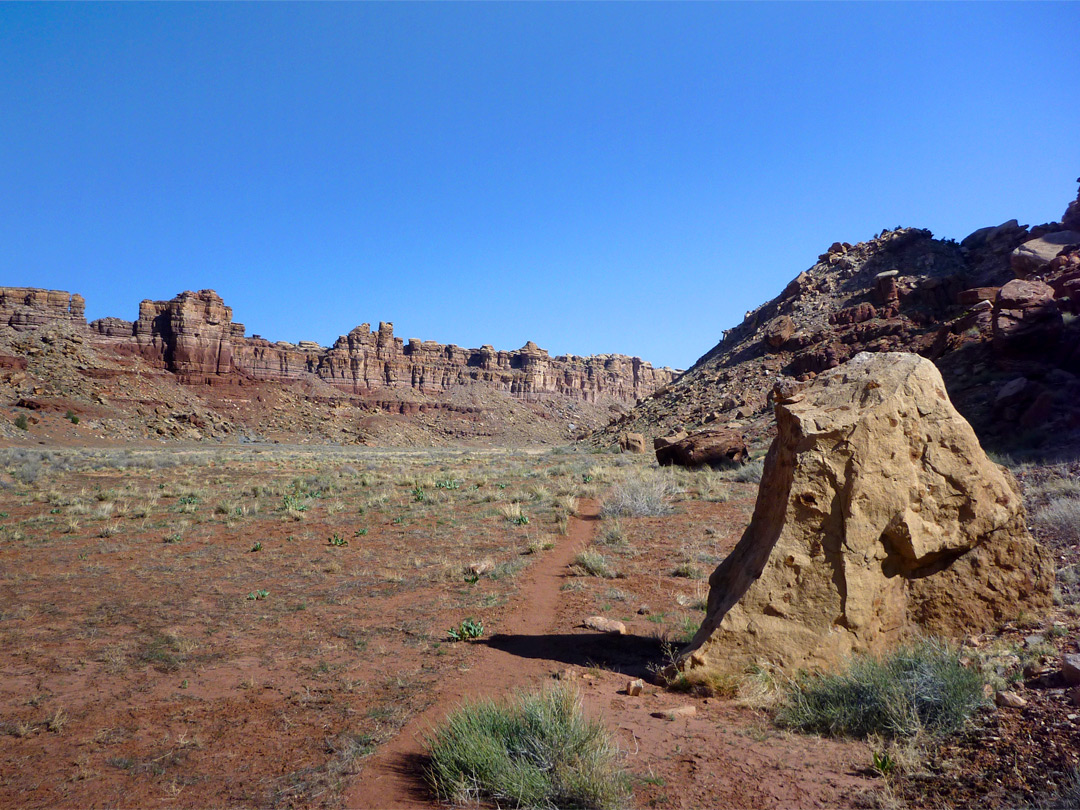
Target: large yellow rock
[(879, 516)]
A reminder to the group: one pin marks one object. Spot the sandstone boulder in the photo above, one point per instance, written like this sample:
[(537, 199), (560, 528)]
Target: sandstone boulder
[(878, 517), (715, 448), (1035, 254), (661, 442), (632, 443), (778, 331), (1025, 315)]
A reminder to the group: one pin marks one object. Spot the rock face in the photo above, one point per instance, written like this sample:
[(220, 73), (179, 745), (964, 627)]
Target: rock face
[(707, 448), (878, 516), (632, 443), (1071, 219), (24, 308), (194, 336), (1025, 314), (1035, 254)]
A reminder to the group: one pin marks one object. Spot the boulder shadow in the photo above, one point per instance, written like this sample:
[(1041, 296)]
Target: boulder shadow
[(627, 654)]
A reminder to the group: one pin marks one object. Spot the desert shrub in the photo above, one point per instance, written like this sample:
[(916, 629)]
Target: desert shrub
[(918, 687), (1060, 517), (638, 497), (538, 750), (27, 473), (21, 422)]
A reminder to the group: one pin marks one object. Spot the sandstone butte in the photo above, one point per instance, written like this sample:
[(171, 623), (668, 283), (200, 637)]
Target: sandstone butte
[(879, 517), (194, 337)]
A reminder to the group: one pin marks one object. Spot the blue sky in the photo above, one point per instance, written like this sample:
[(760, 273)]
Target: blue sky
[(594, 177)]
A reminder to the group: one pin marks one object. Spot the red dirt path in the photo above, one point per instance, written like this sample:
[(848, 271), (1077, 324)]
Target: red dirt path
[(724, 756)]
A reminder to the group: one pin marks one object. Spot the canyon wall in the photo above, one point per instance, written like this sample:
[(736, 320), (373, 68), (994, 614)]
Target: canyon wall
[(194, 337)]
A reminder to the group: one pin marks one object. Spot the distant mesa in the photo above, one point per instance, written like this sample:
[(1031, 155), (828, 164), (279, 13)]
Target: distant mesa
[(194, 337)]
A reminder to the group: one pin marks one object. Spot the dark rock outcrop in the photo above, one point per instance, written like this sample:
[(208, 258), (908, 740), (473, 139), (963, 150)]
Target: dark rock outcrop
[(708, 448)]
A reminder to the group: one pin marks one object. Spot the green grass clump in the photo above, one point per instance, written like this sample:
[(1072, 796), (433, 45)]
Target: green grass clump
[(538, 750), (919, 687)]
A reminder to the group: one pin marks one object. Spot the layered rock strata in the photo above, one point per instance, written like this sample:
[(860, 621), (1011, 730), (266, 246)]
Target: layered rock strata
[(879, 517), (193, 336)]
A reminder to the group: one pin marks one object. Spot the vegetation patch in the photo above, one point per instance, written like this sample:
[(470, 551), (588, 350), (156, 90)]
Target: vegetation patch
[(539, 750), (644, 496), (921, 687)]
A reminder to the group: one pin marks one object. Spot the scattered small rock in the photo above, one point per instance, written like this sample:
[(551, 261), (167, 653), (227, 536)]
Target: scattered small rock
[(633, 688), (1032, 640), (1034, 670), (1074, 696), (480, 568), (1009, 700), (644, 610), (676, 713), (603, 625), (1070, 668)]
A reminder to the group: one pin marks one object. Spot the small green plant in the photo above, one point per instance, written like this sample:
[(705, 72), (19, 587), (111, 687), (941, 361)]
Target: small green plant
[(586, 478), (337, 541), (188, 499), (256, 547), (293, 503), (258, 595), (538, 750), (21, 422), (360, 533), (449, 483), (884, 763), (468, 629), (71, 417), (173, 538), (419, 496), (522, 520)]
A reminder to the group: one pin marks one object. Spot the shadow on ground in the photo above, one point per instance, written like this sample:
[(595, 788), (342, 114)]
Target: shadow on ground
[(628, 655)]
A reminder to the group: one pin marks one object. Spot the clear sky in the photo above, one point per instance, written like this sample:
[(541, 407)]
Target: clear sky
[(594, 177)]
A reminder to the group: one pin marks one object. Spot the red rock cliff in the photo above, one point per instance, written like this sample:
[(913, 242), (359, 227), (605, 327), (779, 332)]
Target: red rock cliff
[(194, 336)]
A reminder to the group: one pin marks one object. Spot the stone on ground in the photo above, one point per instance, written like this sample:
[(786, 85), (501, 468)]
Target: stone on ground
[(605, 625)]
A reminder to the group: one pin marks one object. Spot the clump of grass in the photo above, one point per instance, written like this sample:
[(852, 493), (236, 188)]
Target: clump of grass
[(687, 570), (921, 687), (1061, 518), (567, 504), (594, 564), (612, 535), (538, 750), (638, 497), (705, 683), (749, 473)]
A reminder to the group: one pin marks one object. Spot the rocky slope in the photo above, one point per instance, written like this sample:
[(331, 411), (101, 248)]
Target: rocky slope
[(184, 369), (996, 313)]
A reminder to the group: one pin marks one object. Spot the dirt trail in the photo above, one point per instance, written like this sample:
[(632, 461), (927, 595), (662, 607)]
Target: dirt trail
[(722, 756), (391, 778)]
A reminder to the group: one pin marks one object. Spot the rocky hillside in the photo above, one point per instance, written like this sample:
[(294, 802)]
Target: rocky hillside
[(996, 313), (184, 369)]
